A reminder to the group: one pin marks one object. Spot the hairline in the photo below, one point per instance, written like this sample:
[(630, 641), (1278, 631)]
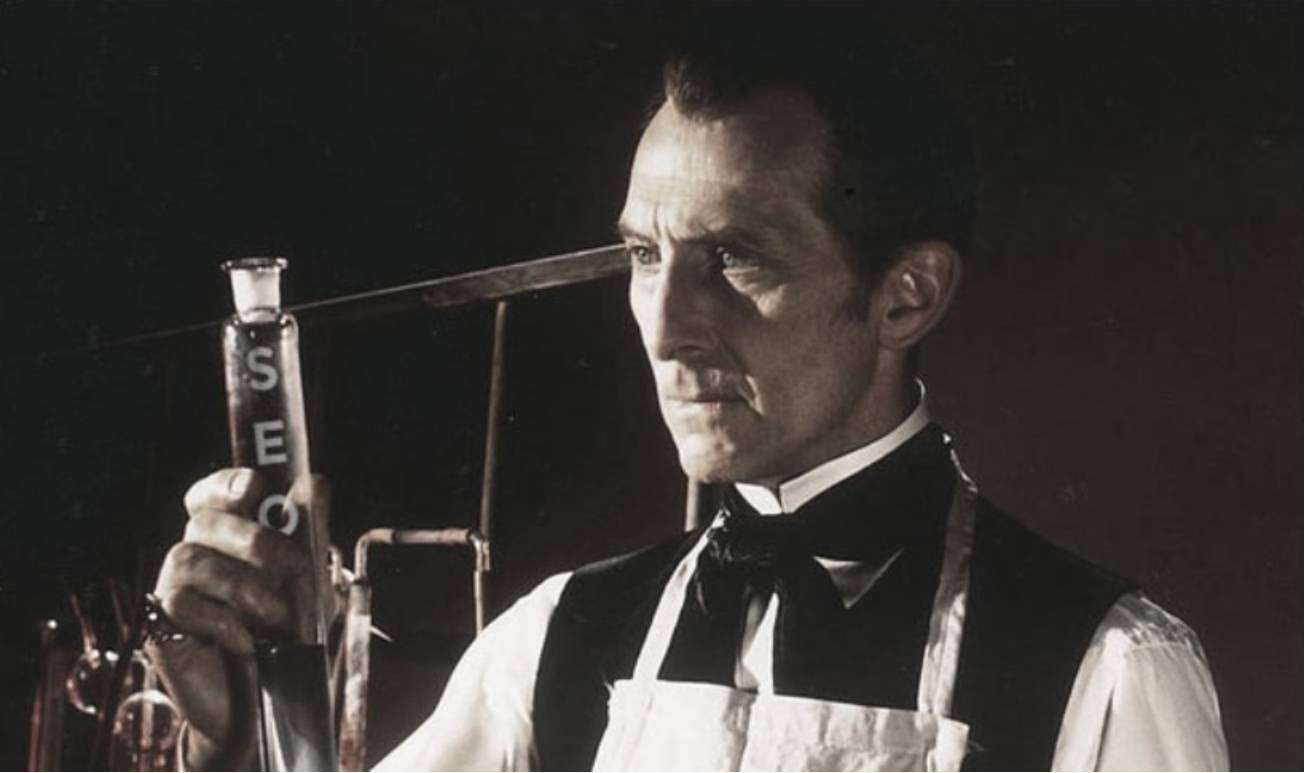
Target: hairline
[(823, 189)]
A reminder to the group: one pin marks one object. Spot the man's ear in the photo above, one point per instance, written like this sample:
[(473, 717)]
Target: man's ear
[(914, 294)]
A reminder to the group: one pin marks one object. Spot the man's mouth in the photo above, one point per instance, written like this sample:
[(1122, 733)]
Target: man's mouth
[(712, 387), (706, 398)]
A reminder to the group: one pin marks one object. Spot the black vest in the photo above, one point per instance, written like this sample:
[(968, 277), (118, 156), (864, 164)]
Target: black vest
[(1032, 611)]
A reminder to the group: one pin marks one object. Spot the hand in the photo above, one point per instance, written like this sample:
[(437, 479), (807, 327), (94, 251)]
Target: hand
[(227, 583)]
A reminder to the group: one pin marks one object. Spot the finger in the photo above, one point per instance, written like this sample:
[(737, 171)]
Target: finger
[(255, 594), (196, 615), (234, 490), (251, 542)]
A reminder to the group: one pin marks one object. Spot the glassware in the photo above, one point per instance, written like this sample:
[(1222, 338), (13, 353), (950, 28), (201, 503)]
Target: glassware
[(89, 679), (147, 724), (269, 433)]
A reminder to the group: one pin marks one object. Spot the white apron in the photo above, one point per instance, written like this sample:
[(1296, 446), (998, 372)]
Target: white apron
[(662, 725)]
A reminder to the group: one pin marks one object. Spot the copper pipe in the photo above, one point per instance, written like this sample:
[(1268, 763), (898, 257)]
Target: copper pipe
[(358, 624), (46, 740), (493, 420), (118, 598), (480, 544)]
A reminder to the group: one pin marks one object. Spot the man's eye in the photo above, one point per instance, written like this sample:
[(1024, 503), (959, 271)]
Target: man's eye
[(641, 255), (730, 259)]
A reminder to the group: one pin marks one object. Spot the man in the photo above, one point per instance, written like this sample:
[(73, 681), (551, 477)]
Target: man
[(794, 219)]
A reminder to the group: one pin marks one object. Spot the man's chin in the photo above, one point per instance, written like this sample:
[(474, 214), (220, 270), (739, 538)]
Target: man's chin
[(715, 465)]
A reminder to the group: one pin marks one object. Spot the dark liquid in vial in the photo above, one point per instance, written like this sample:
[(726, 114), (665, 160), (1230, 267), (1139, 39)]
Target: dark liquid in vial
[(266, 423)]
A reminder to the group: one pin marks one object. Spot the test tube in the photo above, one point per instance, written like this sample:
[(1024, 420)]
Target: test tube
[(269, 433)]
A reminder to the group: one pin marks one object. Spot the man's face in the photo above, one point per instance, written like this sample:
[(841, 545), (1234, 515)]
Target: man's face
[(746, 301)]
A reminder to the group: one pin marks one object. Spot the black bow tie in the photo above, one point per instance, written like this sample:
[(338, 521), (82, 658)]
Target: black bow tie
[(899, 501), (749, 554)]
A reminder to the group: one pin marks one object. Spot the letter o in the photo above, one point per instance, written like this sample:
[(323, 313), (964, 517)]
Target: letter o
[(287, 507)]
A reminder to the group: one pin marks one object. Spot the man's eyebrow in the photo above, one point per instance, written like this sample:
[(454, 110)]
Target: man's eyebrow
[(624, 230), (760, 238), (756, 238)]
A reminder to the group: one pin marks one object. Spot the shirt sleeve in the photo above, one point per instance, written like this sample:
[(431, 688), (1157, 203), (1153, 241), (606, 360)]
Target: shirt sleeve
[(1143, 698), (483, 720)]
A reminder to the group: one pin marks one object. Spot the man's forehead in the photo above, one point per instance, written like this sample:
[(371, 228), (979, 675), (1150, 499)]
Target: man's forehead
[(722, 192), (772, 146), (655, 203), (687, 156)]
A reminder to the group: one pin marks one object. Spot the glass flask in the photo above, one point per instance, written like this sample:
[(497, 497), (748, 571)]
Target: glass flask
[(147, 724), (89, 679)]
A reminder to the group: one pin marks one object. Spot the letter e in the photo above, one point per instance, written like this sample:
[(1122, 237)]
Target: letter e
[(266, 444)]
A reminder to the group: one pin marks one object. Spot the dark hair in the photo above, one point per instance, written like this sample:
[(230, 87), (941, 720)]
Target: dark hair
[(902, 165)]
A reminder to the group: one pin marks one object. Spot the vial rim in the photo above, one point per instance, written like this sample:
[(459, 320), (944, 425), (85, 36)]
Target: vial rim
[(255, 264)]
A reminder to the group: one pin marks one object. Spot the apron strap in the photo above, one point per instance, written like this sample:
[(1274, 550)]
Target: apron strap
[(658, 641), (947, 623)]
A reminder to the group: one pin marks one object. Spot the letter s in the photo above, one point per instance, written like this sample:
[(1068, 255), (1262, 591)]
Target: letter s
[(265, 374)]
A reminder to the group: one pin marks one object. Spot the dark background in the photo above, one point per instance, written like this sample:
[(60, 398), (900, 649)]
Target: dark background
[(1122, 368)]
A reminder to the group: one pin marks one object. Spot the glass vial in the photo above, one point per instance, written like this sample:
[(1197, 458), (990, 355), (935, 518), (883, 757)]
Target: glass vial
[(269, 433)]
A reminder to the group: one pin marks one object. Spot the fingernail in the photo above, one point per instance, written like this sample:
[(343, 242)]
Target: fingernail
[(240, 482)]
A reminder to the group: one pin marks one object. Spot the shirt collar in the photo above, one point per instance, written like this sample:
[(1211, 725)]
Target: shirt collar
[(797, 491)]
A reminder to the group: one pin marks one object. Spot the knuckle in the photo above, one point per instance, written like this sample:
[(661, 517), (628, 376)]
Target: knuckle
[(201, 492), (182, 555), (193, 497), (263, 546), (220, 531), (170, 598), (217, 489), (199, 525), (179, 605), (247, 592), (276, 552)]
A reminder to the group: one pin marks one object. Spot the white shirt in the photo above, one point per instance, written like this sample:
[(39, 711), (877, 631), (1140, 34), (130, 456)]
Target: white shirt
[(1143, 698)]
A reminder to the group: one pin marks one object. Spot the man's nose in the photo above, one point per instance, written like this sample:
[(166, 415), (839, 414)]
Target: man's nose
[(678, 324)]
